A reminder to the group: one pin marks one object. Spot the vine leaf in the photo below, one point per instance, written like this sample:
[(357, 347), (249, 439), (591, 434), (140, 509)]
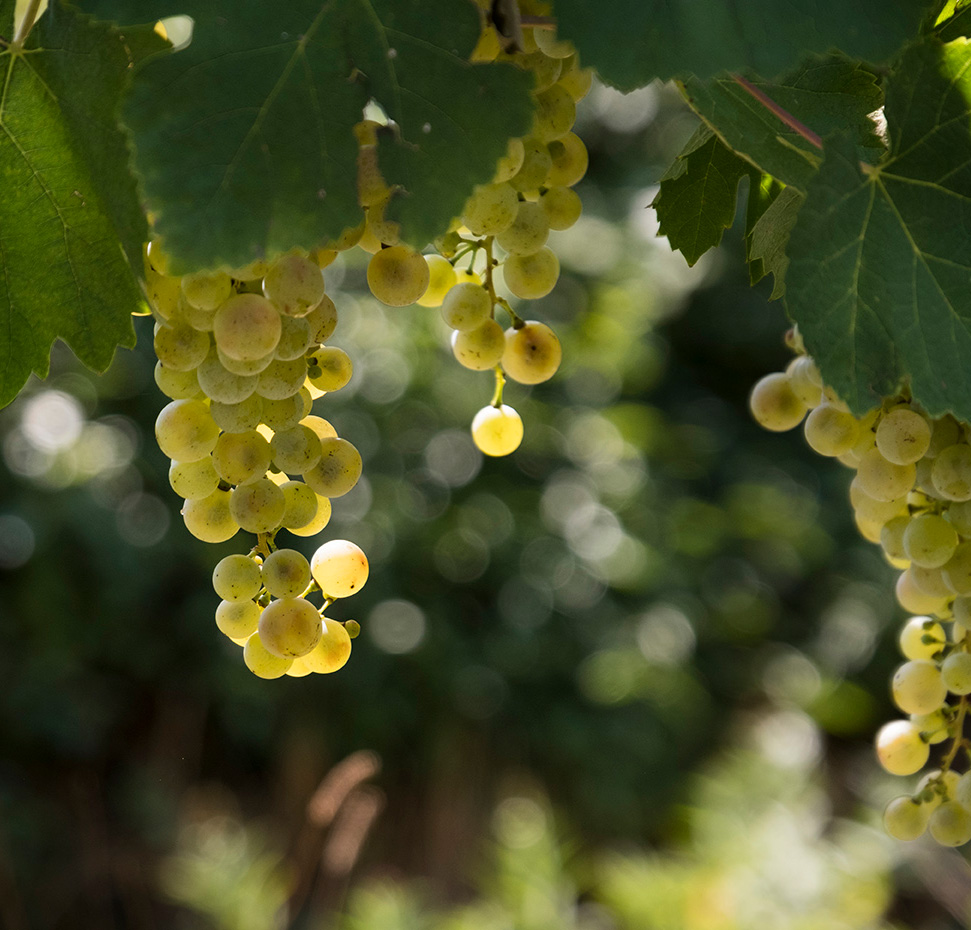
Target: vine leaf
[(880, 258), (67, 195), (636, 41), (769, 237), (244, 139)]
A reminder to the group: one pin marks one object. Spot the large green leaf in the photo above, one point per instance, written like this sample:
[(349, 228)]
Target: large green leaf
[(66, 196), (244, 138), (879, 279), (631, 42), (769, 237)]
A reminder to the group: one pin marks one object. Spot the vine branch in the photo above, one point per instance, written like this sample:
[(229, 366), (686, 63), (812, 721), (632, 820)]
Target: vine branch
[(794, 124)]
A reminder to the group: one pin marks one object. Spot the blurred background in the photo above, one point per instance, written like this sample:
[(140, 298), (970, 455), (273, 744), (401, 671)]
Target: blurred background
[(626, 679)]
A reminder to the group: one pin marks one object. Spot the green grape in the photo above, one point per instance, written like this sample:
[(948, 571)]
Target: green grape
[(935, 787), (562, 207), (202, 320), (918, 688), (335, 367), (555, 113), (575, 80), (957, 571), (283, 414), (956, 673), (532, 354), (322, 320), (294, 285), (480, 349), (237, 578), (497, 431), (805, 380), (831, 431), (883, 480), (775, 405), (869, 528), (258, 506), (238, 418), (550, 45), (466, 307), (164, 293), (247, 368), (333, 650), (906, 819), (951, 472), (900, 749), (179, 385), (282, 379), (510, 163), (933, 726), (397, 276), (290, 627), (535, 167), (528, 232), (298, 668), (237, 619), (962, 791), (441, 278), (295, 339), (903, 436), (545, 70), (959, 515), (340, 568), (913, 600), (286, 573), (323, 428), (892, 538), (491, 209), (532, 276), (222, 385), (337, 471), (209, 518), (180, 347), (254, 271), (261, 662), (241, 457), (207, 290), (930, 540), (921, 638), (568, 161), (930, 581), (298, 506), (945, 431), (950, 824), (193, 480), (247, 327), (295, 450), (881, 511), (924, 481), (185, 430)]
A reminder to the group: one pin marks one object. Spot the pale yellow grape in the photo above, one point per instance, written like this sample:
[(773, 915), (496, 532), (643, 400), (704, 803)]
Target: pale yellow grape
[(247, 368), (237, 619), (251, 272), (178, 385), (929, 540), (207, 290), (905, 819), (237, 418), (883, 480), (892, 538), (370, 243), (322, 320), (918, 687), (371, 186), (950, 824), (945, 431), (497, 431), (293, 284), (282, 379), (528, 232), (868, 528), (962, 790), (957, 570), (202, 320), (491, 209), (549, 44), (247, 327), (295, 450), (323, 428), (554, 114), (959, 516), (774, 404), (261, 662), (568, 161), (397, 276), (236, 578), (306, 400), (223, 385), (510, 163), (532, 276), (912, 599), (831, 431), (241, 457), (209, 518), (577, 81), (921, 638), (933, 726), (545, 70), (956, 673), (936, 786), (441, 277), (903, 436), (480, 349), (179, 346), (466, 307), (323, 258), (282, 414), (805, 380), (298, 668), (337, 471), (333, 650), (562, 206), (335, 367), (535, 167), (874, 509), (295, 338), (465, 276), (532, 354), (951, 472), (164, 293), (258, 506), (383, 230), (923, 480), (290, 627), (297, 508), (962, 613), (930, 581), (900, 749), (340, 568), (185, 430), (193, 480), (347, 239), (286, 573)]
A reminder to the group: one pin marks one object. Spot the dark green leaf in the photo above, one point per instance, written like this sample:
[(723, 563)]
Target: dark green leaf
[(880, 258), (767, 241), (631, 42), (66, 197)]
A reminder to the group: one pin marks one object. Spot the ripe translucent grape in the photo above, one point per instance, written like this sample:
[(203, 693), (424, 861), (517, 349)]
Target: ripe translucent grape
[(282, 379), (562, 206), (480, 349), (237, 619), (950, 824), (335, 367), (568, 161), (883, 480), (912, 599), (295, 450), (179, 346), (466, 307), (491, 209), (261, 662), (185, 430), (298, 507), (294, 284), (236, 578), (206, 290), (290, 627), (528, 232), (324, 429), (246, 368), (247, 327), (322, 320), (929, 540), (239, 417), (921, 638), (209, 518), (282, 414), (441, 277), (892, 538), (286, 573), (223, 385), (957, 571), (340, 568), (918, 688), (532, 276), (555, 113), (535, 167), (900, 749), (333, 650), (178, 385), (805, 380), (906, 819), (951, 472), (775, 405), (295, 338), (903, 436), (510, 163), (337, 471), (258, 506), (193, 480), (497, 431), (397, 276), (830, 430), (956, 673), (241, 457), (532, 354)]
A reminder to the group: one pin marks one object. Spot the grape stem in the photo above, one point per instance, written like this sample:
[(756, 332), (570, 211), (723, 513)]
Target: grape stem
[(264, 544), (959, 739), (26, 24), (794, 124), (500, 383)]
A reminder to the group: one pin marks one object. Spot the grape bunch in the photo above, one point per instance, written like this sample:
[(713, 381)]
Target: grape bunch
[(911, 494), (505, 225), (243, 354)]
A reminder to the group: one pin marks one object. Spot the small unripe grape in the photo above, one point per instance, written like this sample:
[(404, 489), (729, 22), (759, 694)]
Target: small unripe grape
[(900, 749), (497, 431), (918, 687), (962, 612), (236, 578), (340, 568), (775, 405), (532, 354), (332, 651), (397, 276), (261, 662), (945, 431), (906, 819)]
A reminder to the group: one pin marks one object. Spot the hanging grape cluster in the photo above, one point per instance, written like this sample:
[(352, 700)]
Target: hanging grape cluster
[(911, 494)]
